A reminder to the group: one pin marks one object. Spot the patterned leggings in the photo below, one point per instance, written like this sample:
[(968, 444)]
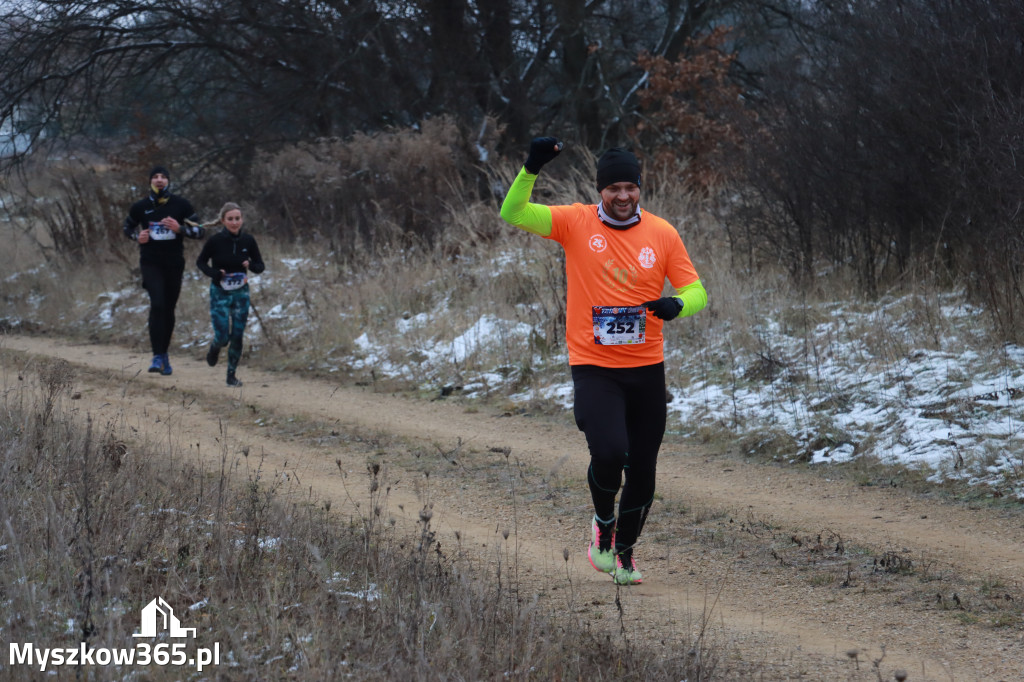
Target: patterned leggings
[(229, 311)]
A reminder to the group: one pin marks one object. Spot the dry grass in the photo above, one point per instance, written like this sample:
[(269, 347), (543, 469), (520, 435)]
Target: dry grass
[(97, 524)]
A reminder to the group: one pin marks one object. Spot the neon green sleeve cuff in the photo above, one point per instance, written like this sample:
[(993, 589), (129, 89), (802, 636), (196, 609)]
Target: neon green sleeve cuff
[(517, 209), (693, 297)]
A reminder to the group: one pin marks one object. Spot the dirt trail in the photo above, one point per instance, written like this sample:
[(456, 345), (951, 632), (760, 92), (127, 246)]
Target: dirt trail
[(759, 610)]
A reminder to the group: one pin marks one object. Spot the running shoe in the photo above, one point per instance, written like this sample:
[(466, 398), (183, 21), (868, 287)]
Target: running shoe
[(212, 354), (602, 560), (627, 575), (233, 380), (166, 369), (158, 364)]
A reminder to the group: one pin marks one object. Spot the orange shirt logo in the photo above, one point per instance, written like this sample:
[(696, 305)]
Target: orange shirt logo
[(598, 243), (647, 257), (619, 278)]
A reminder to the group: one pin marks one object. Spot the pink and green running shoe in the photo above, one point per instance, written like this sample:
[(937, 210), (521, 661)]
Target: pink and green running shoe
[(626, 575), (602, 560)]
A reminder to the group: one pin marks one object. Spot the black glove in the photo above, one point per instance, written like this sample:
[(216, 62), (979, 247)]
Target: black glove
[(542, 150), (667, 308)]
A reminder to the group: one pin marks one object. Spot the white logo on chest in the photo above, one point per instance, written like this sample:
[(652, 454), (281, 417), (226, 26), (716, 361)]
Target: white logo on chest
[(647, 257), (598, 243)]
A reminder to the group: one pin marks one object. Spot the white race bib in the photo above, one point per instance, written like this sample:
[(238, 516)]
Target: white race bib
[(160, 233), (616, 325), (232, 281)]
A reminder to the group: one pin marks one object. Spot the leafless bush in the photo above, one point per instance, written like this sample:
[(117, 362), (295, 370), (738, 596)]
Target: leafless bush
[(56, 377), (370, 190), (882, 152), (73, 211)]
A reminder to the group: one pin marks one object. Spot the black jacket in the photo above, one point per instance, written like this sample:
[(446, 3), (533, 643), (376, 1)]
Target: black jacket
[(147, 211), (227, 252)]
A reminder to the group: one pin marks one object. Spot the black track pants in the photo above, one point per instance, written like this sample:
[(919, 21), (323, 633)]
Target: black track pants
[(163, 283), (622, 412)]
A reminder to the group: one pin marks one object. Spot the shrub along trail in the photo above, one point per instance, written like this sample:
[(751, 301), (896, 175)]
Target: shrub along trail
[(784, 568)]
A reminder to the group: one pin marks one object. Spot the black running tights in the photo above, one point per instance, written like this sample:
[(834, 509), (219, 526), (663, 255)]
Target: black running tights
[(622, 412), (163, 283)]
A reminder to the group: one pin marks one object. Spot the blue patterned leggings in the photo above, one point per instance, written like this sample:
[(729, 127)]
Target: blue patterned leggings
[(229, 311)]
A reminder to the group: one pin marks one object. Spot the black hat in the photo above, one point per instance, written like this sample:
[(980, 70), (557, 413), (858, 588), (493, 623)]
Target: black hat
[(617, 165), (161, 170)]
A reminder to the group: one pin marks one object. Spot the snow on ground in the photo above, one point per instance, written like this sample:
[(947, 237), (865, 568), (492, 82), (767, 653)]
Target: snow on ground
[(955, 410), (862, 382)]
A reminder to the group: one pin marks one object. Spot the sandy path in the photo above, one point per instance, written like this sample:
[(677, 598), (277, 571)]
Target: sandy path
[(761, 610)]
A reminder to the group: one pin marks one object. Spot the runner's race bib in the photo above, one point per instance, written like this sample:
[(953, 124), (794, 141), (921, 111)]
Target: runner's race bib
[(160, 233), (232, 281), (616, 325)]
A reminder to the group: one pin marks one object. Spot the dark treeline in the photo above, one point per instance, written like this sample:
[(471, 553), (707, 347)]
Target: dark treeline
[(248, 73), (872, 135), (894, 138)]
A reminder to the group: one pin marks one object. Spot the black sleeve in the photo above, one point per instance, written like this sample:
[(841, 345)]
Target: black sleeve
[(192, 226), (256, 265), (131, 223), (203, 262)]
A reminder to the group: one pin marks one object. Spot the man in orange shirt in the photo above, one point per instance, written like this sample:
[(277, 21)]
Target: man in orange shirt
[(617, 258)]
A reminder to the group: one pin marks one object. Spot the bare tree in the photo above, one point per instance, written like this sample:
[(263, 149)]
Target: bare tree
[(892, 135), (234, 73), (241, 74)]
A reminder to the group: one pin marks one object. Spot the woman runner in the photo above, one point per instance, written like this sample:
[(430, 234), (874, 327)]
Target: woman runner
[(226, 258)]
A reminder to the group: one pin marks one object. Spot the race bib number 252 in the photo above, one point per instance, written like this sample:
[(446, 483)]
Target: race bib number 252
[(616, 325)]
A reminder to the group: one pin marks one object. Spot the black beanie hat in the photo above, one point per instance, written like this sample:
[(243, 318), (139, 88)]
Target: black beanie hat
[(617, 165), (159, 169)]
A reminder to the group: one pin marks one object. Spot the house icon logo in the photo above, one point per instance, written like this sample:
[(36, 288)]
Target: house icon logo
[(158, 615)]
